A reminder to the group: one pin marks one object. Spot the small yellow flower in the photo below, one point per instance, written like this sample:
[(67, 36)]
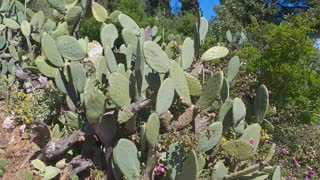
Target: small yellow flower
[(223, 139), (27, 120)]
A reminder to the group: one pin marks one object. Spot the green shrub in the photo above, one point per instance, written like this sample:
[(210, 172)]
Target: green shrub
[(90, 28), (281, 58)]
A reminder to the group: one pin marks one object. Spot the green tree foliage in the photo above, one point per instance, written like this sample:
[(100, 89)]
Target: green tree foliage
[(281, 56), (190, 6), (136, 10), (235, 15)]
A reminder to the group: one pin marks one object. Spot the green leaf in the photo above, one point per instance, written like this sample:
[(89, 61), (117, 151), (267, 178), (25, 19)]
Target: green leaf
[(51, 172), (56, 133), (39, 165)]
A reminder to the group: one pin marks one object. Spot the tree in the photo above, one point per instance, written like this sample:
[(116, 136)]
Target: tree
[(235, 15), (190, 6)]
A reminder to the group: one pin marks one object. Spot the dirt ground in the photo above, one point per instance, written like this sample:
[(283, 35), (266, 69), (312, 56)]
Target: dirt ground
[(15, 150)]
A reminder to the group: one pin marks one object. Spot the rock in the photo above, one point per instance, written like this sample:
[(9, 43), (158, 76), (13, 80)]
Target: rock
[(8, 123), (61, 164)]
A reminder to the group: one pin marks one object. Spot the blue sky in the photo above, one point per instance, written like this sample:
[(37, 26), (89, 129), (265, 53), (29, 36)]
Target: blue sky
[(205, 5)]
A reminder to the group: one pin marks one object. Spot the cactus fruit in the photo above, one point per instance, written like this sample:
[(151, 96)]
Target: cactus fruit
[(180, 82), (156, 58), (165, 96), (189, 168), (153, 129), (187, 53), (125, 157), (211, 91), (240, 149), (215, 52), (261, 103), (70, 48), (233, 68), (211, 138), (99, 12)]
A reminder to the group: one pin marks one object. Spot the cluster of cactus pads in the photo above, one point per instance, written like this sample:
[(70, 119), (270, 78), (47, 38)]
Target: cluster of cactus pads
[(107, 87)]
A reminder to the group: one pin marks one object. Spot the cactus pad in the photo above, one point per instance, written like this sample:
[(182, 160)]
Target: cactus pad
[(95, 103), (219, 171), (25, 28), (240, 149), (238, 111), (119, 89), (51, 51), (58, 5), (180, 82), (165, 96), (233, 68), (194, 85), (44, 67), (125, 156), (156, 58), (128, 23), (78, 74), (208, 140), (108, 35), (224, 93), (252, 132), (261, 103), (73, 13), (125, 114), (152, 129), (215, 52), (99, 12), (189, 167), (11, 23), (70, 48), (187, 53), (211, 91)]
